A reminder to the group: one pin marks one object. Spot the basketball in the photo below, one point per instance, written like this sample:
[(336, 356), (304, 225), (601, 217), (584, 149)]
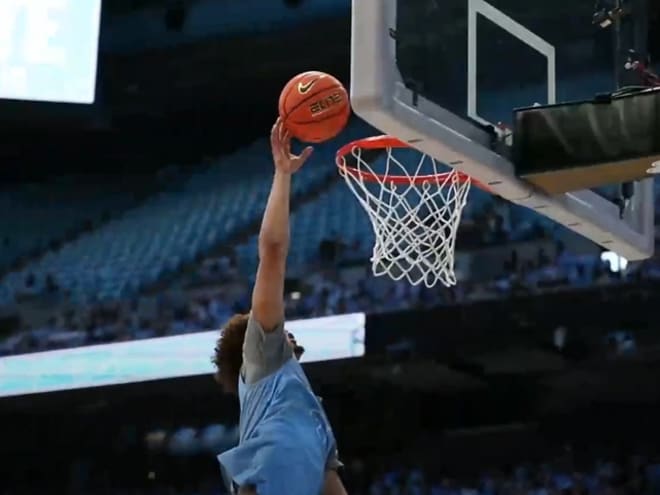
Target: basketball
[(314, 107)]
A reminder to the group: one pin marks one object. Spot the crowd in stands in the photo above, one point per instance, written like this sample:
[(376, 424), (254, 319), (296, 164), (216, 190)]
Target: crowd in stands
[(630, 476), (548, 469), (95, 282), (323, 292), (626, 475)]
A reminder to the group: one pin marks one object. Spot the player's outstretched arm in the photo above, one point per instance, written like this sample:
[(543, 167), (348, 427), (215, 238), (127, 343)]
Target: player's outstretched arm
[(333, 484), (268, 293)]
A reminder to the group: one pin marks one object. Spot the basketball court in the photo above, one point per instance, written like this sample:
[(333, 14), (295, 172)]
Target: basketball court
[(444, 77)]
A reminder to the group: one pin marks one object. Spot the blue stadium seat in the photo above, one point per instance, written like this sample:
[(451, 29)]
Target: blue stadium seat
[(171, 228), (43, 213)]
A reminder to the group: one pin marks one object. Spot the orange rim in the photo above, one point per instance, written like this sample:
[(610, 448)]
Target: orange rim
[(385, 142)]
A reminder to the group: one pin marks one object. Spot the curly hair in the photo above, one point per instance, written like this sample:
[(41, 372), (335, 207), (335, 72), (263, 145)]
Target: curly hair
[(228, 357)]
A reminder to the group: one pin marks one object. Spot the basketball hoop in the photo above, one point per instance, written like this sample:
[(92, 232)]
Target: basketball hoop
[(414, 208)]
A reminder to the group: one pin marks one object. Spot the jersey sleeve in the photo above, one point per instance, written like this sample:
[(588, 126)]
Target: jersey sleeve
[(264, 352), (333, 463)]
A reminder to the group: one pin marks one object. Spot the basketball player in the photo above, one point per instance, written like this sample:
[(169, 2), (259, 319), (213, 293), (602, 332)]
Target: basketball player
[(286, 444)]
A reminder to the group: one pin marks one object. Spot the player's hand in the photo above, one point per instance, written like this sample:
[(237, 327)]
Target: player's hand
[(280, 143)]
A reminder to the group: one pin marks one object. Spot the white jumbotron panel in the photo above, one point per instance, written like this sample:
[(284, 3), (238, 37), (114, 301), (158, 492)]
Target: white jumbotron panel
[(379, 96), (49, 50), (327, 338)]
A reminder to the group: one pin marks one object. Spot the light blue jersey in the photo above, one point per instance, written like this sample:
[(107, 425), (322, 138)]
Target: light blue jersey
[(286, 443)]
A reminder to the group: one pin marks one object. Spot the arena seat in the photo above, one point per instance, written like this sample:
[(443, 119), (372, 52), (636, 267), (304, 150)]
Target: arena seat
[(171, 228), (43, 213)]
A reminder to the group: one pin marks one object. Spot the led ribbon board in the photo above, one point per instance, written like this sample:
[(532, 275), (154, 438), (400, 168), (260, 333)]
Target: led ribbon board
[(332, 337)]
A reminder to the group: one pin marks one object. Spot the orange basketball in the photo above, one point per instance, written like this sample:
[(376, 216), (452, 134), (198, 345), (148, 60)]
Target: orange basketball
[(314, 107)]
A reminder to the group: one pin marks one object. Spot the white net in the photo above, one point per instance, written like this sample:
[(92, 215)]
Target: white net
[(414, 206)]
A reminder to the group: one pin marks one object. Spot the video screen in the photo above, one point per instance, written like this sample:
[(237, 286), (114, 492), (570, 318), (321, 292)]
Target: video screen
[(49, 50)]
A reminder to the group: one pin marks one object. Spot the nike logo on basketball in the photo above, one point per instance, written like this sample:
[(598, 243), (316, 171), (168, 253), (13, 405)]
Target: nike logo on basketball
[(304, 88)]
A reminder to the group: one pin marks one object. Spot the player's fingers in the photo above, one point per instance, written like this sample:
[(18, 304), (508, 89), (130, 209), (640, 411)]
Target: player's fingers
[(281, 131), (285, 145), (287, 142), (274, 142), (279, 148), (306, 153)]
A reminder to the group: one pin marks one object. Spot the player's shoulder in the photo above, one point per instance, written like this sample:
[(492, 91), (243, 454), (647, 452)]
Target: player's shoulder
[(254, 326), (264, 353)]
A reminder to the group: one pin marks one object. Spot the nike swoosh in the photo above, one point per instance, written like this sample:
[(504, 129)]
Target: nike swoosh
[(304, 88)]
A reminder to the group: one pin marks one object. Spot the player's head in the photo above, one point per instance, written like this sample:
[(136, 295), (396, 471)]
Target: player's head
[(228, 357)]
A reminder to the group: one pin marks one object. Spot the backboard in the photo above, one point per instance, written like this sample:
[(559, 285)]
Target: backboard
[(436, 73)]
